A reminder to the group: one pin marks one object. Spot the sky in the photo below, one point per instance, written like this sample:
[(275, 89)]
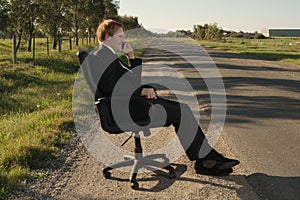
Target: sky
[(236, 15)]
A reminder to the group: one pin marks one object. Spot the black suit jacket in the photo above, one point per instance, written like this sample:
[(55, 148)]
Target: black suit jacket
[(104, 71)]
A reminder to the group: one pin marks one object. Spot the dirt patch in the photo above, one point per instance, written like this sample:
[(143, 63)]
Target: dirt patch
[(78, 175)]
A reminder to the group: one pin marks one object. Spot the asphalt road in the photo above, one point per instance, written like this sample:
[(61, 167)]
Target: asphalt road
[(262, 123)]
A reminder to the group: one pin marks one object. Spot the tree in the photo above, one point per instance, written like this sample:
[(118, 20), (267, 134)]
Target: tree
[(183, 33), (111, 9), (17, 13), (259, 36), (33, 13), (95, 12), (199, 32), (57, 18), (53, 19), (76, 16), (22, 16), (213, 32), (84, 16), (129, 22), (4, 20), (207, 32)]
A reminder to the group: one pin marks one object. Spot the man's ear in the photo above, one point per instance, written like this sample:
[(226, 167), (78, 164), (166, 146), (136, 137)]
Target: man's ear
[(107, 36)]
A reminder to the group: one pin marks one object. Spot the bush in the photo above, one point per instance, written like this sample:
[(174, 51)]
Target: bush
[(259, 36)]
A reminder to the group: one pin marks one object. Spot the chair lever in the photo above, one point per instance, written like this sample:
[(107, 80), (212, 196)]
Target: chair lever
[(127, 140)]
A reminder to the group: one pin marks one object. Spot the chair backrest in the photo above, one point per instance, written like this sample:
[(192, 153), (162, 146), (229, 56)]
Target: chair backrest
[(82, 55), (102, 105)]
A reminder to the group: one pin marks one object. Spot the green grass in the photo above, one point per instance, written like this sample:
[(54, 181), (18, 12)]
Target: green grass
[(36, 113), (35, 116), (280, 49)]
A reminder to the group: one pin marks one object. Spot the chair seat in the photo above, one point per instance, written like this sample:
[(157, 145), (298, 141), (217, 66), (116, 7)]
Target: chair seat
[(143, 122)]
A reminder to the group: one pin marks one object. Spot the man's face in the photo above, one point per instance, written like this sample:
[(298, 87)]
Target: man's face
[(116, 40)]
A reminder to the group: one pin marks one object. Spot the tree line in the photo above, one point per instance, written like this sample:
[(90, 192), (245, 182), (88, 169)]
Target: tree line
[(214, 32), (200, 32), (57, 18)]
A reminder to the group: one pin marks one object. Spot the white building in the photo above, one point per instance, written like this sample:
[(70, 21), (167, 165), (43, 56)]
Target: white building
[(278, 32)]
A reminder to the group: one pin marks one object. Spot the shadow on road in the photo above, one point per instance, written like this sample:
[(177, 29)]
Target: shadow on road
[(240, 108), (265, 186), (275, 187), (255, 68), (254, 56), (164, 181)]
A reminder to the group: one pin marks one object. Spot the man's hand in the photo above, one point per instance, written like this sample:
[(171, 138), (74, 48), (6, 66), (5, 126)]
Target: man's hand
[(128, 50), (149, 93)]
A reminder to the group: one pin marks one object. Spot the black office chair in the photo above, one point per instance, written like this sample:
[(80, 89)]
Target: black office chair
[(108, 124)]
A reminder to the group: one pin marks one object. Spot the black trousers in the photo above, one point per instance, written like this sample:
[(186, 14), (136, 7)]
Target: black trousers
[(181, 117)]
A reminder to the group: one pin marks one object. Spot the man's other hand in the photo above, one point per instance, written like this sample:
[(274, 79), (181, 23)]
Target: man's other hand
[(149, 93)]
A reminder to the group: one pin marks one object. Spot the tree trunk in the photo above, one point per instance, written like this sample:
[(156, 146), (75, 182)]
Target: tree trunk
[(31, 30), (89, 36), (54, 41), (76, 38), (14, 49), (20, 33), (29, 43), (70, 41), (76, 27), (33, 48), (48, 53), (59, 43)]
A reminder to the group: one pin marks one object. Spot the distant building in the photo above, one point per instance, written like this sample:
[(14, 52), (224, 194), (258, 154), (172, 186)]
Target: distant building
[(281, 32)]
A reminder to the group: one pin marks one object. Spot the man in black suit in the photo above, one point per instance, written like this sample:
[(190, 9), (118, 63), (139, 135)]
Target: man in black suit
[(109, 70)]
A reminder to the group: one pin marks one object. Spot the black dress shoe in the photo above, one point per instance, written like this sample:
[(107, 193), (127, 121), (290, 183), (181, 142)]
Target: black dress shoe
[(217, 161), (218, 164), (199, 169), (225, 163)]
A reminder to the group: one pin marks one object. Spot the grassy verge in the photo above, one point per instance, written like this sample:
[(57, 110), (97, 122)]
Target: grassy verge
[(35, 116), (280, 49)]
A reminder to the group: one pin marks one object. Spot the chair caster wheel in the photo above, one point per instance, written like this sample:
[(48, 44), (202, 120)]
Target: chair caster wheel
[(134, 185), (106, 174), (172, 175)]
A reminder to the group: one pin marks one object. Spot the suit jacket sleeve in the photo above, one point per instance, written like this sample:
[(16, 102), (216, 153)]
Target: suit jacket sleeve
[(136, 62)]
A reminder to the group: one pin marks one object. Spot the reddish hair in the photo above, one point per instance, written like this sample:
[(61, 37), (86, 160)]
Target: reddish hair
[(109, 27)]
